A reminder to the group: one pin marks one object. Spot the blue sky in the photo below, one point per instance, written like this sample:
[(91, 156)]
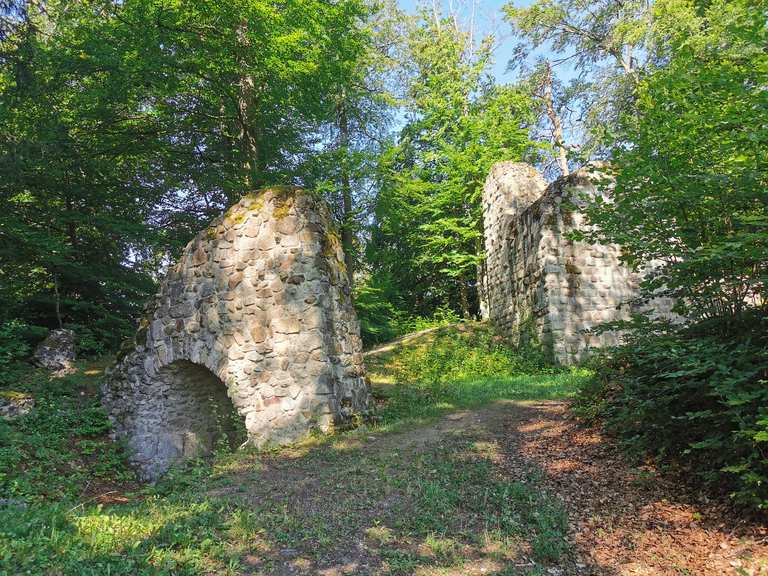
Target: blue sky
[(489, 19)]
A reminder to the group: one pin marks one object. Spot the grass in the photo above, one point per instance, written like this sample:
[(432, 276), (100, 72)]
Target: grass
[(61, 449), (377, 500), (459, 368)]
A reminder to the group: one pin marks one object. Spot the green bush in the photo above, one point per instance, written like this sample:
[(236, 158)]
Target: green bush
[(16, 342), (461, 367), (442, 316), (379, 318), (59, 448), (694, 398), (92, 342), (471, 351), (381, 321), (13, 345)]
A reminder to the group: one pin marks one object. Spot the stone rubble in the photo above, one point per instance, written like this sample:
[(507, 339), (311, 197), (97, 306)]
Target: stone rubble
[(57, 351), (14, 404)]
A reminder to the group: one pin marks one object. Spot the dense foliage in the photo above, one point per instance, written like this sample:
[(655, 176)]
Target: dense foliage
[(690, 204), (696, 401), (690, 192), (125, 127), (426, 246), (16, 341)]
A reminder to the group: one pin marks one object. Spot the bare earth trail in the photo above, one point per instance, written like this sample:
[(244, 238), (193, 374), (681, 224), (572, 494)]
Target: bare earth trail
[(363, 504)]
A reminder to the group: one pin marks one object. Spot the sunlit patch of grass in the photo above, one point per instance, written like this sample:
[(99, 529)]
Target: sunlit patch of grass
[(148, 537), (422, 401), (444, 550), (379, 535), (453, 369)]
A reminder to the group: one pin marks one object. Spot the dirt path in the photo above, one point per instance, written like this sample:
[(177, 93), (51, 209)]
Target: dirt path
[(363, 504), (626, 521)]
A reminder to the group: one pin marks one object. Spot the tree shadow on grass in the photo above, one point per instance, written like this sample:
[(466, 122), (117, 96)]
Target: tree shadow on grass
[(508, 489), (429, 500)]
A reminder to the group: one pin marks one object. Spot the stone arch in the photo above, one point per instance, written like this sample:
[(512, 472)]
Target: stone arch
[(261, 300), (197, 413)]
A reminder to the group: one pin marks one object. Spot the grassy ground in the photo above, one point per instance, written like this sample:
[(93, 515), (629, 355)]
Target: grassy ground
[(420, 490)]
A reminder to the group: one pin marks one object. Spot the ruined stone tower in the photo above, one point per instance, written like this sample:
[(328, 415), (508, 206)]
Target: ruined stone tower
[(539, 282), (253, 328)]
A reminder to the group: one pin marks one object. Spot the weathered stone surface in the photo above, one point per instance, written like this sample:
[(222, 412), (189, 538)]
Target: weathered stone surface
[(15, 404), (57, 351), (255, 320), (538, 282)]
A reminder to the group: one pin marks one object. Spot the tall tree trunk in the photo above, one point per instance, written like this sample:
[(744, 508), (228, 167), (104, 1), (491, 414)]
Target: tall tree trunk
[(248, 142), (464, 299), (482, 279), (57, 297), (347, 218), (557, 127), (71, 225), (246, 129)]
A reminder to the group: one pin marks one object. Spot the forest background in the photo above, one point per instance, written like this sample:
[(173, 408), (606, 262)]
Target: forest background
[(126, 126)]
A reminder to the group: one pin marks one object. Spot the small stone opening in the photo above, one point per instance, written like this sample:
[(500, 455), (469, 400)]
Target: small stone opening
[(200, 417)]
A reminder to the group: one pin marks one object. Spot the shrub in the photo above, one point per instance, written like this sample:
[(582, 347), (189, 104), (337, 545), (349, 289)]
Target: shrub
[(93, 342), (13, 345), (381, 321), (473, 351), (16, 342), (442, 316), (61, 447), (461, 367), (691, 397)]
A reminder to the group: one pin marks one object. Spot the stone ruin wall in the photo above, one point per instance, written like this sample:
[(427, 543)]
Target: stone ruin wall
[(253, 328), (540, 283), (511, 187)]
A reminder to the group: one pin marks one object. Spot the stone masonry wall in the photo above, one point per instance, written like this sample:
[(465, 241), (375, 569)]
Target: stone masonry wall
[(511, 187), (254, 323), (540, 283)]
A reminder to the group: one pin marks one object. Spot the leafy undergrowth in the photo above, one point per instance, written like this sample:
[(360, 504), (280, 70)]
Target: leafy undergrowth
[(387, 498), (461, 367), (61, 449)]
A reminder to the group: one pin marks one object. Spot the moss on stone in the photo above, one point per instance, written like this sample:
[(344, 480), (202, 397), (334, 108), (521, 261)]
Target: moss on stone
[(256, 202), (282, 207), (571, 268), (282, 199), (126, 348), (14, 395), (141, 332), (331, 243), (235, 217)]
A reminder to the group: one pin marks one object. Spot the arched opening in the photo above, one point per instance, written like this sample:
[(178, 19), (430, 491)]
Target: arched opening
[(199, 416)]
